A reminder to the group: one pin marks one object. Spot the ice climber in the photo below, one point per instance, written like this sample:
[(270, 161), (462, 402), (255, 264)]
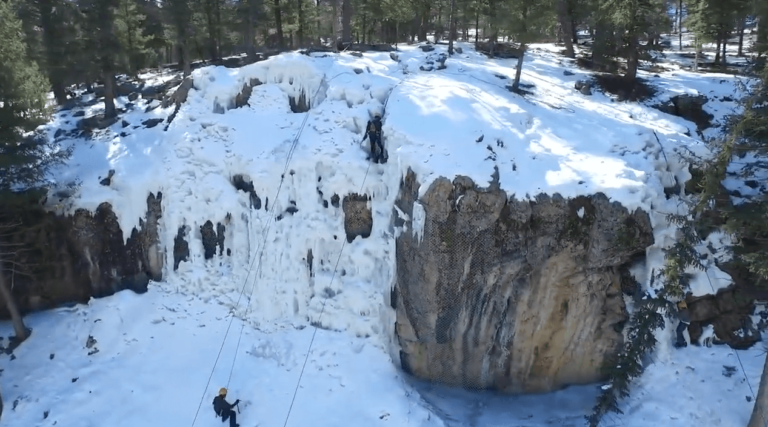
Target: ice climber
[(223, 408), (685, 319), (373, 130)]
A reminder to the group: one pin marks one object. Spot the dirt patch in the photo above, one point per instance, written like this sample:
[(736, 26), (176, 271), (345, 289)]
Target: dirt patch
[(625, 90), (604, 66)]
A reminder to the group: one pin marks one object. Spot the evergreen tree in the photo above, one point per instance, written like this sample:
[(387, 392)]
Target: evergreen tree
[(633, 18), (24, 159), (103, 45), (180, 15), (129, 29), (23, 94)]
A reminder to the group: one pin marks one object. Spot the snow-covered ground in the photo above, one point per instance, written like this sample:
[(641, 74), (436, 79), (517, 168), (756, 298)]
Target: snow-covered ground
[(156, 351)]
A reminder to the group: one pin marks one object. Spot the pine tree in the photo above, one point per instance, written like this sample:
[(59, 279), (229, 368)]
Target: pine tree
[(24, 159), (129, 29), (23, 93), (633, 18), (528, 20), (180, 14)]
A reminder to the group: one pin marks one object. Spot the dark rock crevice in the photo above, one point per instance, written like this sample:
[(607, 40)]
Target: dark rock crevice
[(244, 183), (689, 107)]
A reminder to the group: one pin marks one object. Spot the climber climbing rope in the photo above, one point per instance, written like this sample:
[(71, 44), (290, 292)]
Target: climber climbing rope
[(333, 276), (260, 252)]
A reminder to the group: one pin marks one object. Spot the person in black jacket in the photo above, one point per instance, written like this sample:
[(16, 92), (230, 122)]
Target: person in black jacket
[(684, 318), (223, 408), (373, 130)]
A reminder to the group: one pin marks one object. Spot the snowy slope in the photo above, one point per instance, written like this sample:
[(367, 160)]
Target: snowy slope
[(555, 140)]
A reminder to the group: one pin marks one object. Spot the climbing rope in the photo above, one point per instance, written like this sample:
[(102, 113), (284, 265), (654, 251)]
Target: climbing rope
[(333, 276), (260, 251)]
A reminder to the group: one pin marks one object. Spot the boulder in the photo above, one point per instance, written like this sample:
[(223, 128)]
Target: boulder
[(150, 123), (729, 312), (689, 107), (179, 96)]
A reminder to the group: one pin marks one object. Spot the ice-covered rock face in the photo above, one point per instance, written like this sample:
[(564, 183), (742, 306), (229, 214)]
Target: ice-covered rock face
[(519, 296)]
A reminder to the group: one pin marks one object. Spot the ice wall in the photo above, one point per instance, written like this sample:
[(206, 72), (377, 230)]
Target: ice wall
[(287, 252)]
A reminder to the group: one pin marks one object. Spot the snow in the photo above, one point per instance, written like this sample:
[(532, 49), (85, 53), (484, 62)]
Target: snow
[(442, 123), (156, 351)]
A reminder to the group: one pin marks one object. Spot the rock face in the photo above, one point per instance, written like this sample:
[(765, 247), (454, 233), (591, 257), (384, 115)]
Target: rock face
[(728, 312), (358, 218), (85, 255), (511, 295), (689, 107)]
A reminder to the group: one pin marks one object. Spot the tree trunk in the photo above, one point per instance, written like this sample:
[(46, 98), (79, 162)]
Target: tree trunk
[(209, 21), (423, 23), (439, 27), (217, 15), (10, 303), (346, 21), (565, 23), (742, 24), (52, 39), (717, 51), (632, 58), (335, 24), (319, 39), (680, 24), (696, 54), (109, 94), (725, 46), (250, 27), (108, 45), (599, 47), (574, 32), (300, 34), (279, 25), (477, 25), (451, 27), (759, 417), (519, 67)]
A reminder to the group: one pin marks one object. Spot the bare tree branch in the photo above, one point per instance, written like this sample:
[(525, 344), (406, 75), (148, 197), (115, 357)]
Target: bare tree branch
[(18, 272)]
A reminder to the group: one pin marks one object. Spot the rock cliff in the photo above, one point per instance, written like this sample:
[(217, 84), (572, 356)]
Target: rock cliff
[(72, 258), (518, 296)]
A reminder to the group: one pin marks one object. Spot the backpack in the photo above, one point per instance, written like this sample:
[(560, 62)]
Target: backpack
[(374, 127), (216, 406)]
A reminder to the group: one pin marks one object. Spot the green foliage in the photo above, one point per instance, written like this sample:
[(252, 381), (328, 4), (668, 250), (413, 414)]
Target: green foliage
[(674, 278), (25, 159), (625, 235), (129, 28), (627, 364)]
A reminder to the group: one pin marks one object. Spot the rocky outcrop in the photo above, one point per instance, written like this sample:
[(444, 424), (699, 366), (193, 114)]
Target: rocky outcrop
[(74, 258), (243, 183), (728, 312), (518, 296), (358, 218), (689, 107), (244, 96), (180, 247)]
